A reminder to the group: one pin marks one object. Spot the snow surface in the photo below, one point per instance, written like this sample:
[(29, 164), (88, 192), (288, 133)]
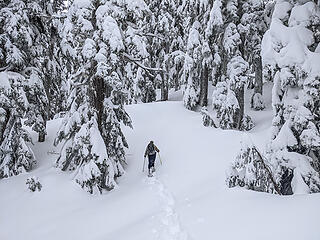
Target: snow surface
[(187, 200)]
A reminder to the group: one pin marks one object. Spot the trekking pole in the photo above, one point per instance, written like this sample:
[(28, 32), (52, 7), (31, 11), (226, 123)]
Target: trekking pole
[(160, 158), (144, 163)]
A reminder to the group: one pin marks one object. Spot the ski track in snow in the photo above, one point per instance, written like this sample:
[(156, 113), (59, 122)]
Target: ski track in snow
[(169, 223)]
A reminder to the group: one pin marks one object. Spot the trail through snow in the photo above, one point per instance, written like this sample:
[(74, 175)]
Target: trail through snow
[(169, 223)]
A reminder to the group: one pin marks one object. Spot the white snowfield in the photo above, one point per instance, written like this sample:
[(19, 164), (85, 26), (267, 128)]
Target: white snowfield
[(186, 200)]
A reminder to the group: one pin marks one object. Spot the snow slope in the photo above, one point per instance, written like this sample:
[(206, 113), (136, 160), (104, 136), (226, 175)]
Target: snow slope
[(187, 200)]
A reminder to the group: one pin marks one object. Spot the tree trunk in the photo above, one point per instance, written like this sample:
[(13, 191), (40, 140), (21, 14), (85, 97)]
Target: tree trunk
[(203, 101), (177, 77), (42, 134), (165, 80), (164, 87), (3, 122), (258, 75), (98, 94), (42, 137), (239, 115)]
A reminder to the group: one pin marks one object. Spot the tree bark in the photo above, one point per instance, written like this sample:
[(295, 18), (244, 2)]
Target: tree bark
[(177, 77), (98, 95), (258, 75), (203, 101), (240, 97), (42, 137), (164, 87), (164, 76), (42, 134)]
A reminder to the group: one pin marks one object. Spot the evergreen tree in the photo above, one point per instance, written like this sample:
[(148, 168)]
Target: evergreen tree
[(165, 43), (251, 28), (93, 140), (27, 37), (294, 150), (231, 67), (15, 155), (20, 61), (198, 57), (191, 68)]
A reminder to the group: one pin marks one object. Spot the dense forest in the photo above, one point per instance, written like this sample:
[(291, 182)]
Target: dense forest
[(85, 60)]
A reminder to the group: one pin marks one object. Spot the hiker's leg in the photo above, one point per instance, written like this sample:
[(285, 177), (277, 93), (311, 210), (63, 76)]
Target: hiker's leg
[(152, 160), (149, 162)]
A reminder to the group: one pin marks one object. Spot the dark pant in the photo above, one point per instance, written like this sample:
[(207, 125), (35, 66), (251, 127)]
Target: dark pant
[(152, 159)]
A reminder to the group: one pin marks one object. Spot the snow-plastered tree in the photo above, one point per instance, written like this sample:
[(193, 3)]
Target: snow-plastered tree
[(165, 44), (93, 142), (198, 55), (251, 28), (20, 68), (231, 69), (31, 27), (15, 154), (290, 48), (56, 66)]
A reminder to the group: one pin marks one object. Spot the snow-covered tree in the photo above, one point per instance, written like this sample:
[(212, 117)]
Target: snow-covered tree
[(164, 43), (231, 68), (24, 49), (251, 28), (56, 66), (198, 56), (288, 47), (15, 154), (37, 111), (191, 68), (289, 50), (91, 132)]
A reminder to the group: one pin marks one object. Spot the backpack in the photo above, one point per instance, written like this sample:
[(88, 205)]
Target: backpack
[(151, 149)]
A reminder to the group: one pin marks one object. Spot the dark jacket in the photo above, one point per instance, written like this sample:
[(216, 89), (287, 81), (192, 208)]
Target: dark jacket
[(151, 149)]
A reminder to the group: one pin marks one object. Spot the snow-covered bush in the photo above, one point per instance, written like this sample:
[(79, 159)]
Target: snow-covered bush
[(281, 171), (257, 102), (226, 105), (250, 170), (33, 184), (246, 123), (206, 118), (287, 154)]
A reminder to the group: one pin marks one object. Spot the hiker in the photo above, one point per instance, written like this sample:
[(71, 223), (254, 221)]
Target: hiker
[(151, 152)]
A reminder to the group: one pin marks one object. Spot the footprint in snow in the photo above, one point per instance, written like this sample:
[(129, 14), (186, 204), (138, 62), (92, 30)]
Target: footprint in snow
[(170, 227)]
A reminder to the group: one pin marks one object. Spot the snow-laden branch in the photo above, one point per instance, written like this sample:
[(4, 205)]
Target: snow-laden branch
[(6, 68), (53, 16), (136, 61), (150, 35)]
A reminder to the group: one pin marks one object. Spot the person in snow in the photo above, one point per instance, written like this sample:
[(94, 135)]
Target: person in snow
[(151, 152)]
